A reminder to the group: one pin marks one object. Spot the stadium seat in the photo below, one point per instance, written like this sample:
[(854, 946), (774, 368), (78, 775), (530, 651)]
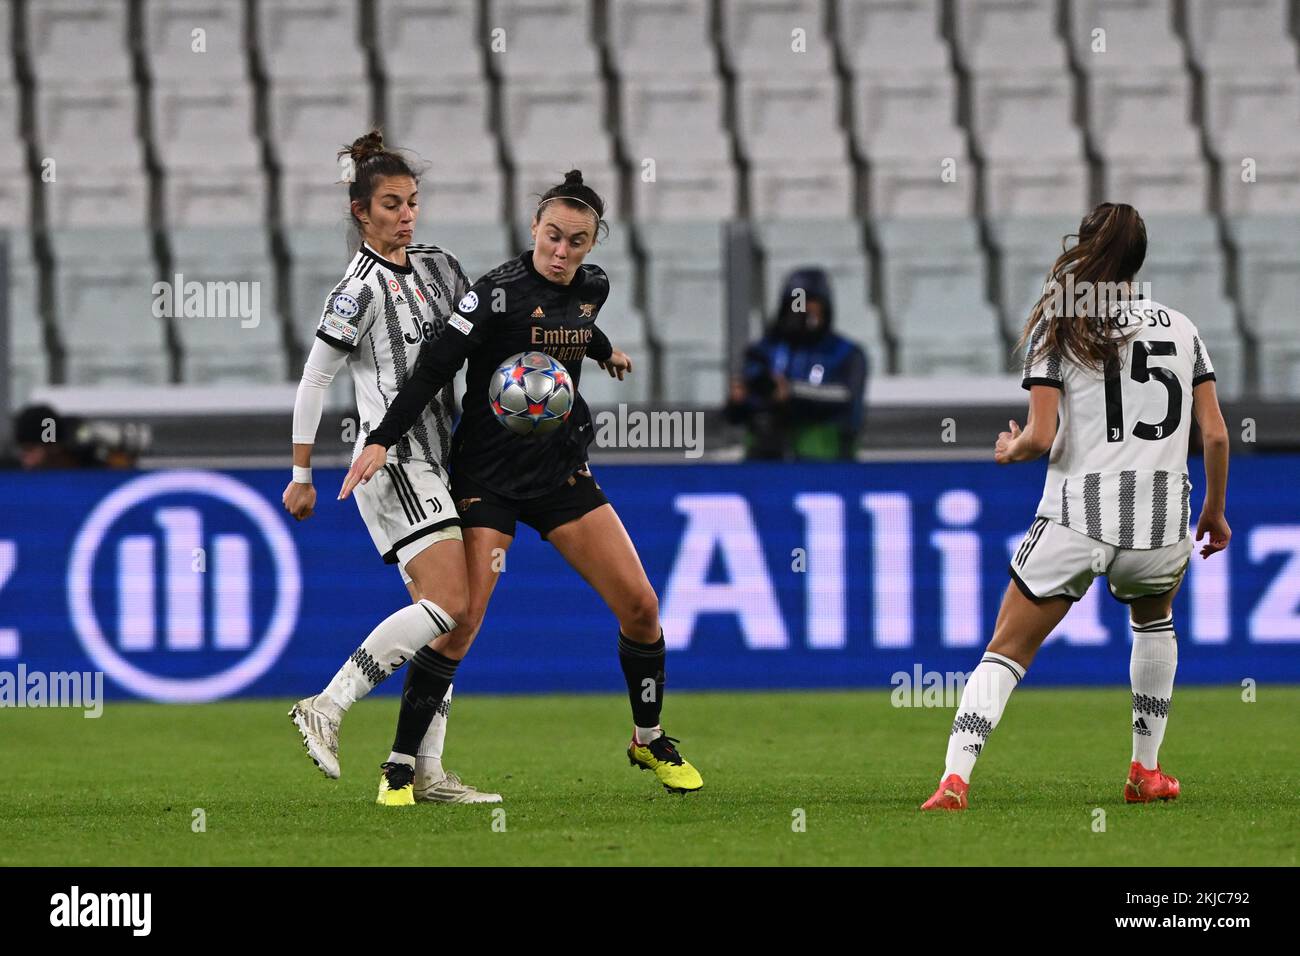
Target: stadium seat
[(893, 114), (1169, 187), (7, 76), (462, 194), (445, 123), (1185, 271), (222, 348), (27, 357), (1035, 188), (934, 280), (1268, 271), (175, 54), (531, 33), (214, 196), (683, 191), (427, 38), (307, 40), (104, 307), (758, 37), (1142, 115), (195, 124), (665, 38), (816, 188), (1012, 109), (86, 40), (1026, 247), (1268, 280), (670, 119), (308, 122), (1252, 122), (1227, 35), (86, 196), (1008, 36), (1138, 35), (552, 122), (892, 39), (785, 119), (88, 123), (15, 189), (87, 139), (685, 308)]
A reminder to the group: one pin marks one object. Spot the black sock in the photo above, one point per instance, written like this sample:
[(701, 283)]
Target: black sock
[(643, 664), (427, 679)]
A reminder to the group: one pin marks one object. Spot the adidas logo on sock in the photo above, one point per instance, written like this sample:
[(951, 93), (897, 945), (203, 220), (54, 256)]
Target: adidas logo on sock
[(973, 749), (1140, 727)]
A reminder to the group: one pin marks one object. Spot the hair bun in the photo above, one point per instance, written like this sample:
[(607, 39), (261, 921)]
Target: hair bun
[(573, 177), (367, 145)]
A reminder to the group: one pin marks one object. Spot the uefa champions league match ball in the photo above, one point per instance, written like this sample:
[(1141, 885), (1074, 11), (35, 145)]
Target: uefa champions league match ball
[(531, 393)]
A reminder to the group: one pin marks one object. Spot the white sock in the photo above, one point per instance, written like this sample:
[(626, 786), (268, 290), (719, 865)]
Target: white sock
[(982, 701), (389, 646), (395, 757), (645, 735), (1151, 672), (428, 758)]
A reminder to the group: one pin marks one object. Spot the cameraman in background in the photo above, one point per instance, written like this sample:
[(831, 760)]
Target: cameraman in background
[(47, 440), (801, 392)]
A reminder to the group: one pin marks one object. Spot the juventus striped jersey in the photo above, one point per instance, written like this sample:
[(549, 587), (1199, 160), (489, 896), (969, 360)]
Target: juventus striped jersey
[(381, 314), (1118, 467)]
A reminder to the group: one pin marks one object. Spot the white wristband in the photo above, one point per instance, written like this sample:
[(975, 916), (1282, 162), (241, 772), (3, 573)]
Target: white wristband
[(302, 475)]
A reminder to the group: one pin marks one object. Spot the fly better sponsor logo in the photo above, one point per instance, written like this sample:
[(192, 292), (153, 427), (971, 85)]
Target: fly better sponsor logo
[(172, 611)]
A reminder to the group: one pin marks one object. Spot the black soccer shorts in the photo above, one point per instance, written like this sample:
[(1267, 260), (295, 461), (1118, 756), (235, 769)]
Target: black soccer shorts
[(481, 507)]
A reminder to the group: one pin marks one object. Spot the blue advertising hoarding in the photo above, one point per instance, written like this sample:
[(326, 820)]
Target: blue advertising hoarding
[(195, 585)]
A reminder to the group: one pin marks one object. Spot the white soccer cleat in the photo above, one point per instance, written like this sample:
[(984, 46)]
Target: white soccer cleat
[(448, 788), (320, 735)]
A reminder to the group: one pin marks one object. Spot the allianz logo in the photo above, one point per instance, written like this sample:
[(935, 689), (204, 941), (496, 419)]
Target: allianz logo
[(178, 589)]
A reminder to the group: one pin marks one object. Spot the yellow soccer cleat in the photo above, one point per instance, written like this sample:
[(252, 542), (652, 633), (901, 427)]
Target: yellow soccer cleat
[(396, 785), (669, 766)]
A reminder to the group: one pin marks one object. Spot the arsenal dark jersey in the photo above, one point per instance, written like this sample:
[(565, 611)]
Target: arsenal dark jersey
[(511, 309)]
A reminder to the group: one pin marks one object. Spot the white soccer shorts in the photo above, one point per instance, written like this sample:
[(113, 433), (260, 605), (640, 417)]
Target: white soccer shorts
[(1055, 561), (407, 508)]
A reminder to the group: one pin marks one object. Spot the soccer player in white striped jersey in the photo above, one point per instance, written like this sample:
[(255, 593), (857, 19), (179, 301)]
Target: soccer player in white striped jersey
[(395, 298), (1112, 399)]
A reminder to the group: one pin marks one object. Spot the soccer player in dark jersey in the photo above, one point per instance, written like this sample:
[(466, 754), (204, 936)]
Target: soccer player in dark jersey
[(544, 300)]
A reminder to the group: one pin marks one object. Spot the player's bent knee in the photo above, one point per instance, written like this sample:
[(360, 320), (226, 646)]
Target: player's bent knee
[(640, 616)]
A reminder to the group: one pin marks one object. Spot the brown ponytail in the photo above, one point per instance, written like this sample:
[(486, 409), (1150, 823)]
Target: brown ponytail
[(1111, 247)]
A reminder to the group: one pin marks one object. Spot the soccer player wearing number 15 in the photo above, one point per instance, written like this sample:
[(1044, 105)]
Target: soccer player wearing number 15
[(1125, 386)]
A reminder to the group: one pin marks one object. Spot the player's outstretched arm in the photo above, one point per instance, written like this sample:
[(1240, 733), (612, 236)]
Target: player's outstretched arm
[(323, 363), (599, 350), (1214, 438), (1039, 432)]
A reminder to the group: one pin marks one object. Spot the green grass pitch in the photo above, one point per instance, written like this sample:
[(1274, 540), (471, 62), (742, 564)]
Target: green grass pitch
[(123, 789)]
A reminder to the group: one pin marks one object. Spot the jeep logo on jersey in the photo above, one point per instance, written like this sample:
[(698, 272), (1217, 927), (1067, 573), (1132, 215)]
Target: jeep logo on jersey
[(151, 591), (345, 307)]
